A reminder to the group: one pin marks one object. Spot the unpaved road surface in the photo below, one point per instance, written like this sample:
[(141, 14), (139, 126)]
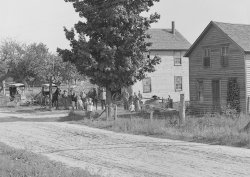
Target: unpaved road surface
[(121, 155)]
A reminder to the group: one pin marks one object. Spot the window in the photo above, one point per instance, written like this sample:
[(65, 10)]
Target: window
[(146, 85), (206, 58), (224, 56), (178, 83), (177, 58), (200, 90), (146, 55)]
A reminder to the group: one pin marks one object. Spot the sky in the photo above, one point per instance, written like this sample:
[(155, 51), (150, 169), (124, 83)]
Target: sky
[(38, 21)]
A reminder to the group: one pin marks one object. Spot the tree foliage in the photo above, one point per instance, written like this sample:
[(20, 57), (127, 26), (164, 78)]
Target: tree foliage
[(33, 64), (109, 44), (233, 94)]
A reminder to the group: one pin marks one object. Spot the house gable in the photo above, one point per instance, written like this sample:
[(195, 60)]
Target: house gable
[(204, 33)]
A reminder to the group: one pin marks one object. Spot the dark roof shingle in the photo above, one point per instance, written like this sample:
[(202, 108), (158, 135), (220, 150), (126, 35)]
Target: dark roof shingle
[(239, 33), (164, 39)]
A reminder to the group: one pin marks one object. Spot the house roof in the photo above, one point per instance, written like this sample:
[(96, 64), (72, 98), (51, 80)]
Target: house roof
[(164, 39), (238, 33)]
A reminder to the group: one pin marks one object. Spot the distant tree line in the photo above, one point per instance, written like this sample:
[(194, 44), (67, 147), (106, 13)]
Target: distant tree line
[(33, 64)]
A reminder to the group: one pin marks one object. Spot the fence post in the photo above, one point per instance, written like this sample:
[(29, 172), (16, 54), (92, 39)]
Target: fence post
[(107, 112), (182, 108), (152, 115), (115, 112)]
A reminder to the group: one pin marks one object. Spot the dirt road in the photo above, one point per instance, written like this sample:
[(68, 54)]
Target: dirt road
[(121, 155)]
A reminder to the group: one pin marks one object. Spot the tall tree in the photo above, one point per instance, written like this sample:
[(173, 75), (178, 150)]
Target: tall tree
[(11, 54), (111, 41), (33, 63)]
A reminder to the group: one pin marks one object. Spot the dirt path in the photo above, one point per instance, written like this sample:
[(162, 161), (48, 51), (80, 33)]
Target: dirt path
[(120, 155)]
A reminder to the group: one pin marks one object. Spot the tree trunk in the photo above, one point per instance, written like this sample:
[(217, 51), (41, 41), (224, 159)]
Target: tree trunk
[(50, 93), (108, 103)]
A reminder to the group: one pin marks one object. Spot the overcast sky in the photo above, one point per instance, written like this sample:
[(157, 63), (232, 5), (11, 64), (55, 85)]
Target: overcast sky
[(43, 20)]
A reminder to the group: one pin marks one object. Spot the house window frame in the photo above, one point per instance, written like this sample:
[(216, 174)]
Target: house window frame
[(206, 56), (177, 57), (147, 88), (224, 54), (178, 88)]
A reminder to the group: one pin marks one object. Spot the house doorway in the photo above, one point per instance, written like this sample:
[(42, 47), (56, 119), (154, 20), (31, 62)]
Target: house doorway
[(216, 94)]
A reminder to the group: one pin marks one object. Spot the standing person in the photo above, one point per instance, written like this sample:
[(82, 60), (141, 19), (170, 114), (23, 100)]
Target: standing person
[(79, 103), (103, 98), (132, 107), (170, 102), (84, 99), (125, 96), (89, 107), (140, 96), (130, 99), (136, 102), (140, 99), (95, 98), (74, 100), (55, 98), (65, 99)]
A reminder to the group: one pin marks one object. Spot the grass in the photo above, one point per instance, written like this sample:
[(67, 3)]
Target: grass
[(20, 163), (210, 129)]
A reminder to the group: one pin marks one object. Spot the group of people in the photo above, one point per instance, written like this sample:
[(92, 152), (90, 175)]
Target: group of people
[(81, 101), (132, 102)]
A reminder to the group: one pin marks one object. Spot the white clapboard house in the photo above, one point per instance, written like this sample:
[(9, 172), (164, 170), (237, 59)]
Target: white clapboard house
[(172, 74)]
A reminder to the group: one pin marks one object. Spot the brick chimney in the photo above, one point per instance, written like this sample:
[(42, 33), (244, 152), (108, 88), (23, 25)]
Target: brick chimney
[(173, 27)]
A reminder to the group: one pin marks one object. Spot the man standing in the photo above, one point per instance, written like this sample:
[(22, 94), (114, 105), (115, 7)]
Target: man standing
[(136, 102), (65, 99), (55, 98), (140, 99), (103, 98), (95, 97), (125, 96), (74, 100)]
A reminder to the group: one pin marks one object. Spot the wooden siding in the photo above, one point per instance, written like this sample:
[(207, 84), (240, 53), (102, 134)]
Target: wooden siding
[(247, 60), (162, 80), (215, 39), (247, 66)]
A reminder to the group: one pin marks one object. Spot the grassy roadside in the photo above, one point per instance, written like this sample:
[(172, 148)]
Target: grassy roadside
[(20, 163), (210, 129)]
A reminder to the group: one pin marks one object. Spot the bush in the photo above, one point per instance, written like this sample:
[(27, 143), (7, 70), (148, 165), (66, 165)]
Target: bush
[(230, 112)]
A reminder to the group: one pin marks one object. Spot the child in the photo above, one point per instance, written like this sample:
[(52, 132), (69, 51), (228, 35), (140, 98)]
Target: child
[(132, 107), (80, 103), (89, 107)]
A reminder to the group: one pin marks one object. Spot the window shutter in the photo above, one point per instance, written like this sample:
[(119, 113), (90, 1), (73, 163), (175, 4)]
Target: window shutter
[(226, 60), (206, 61)]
